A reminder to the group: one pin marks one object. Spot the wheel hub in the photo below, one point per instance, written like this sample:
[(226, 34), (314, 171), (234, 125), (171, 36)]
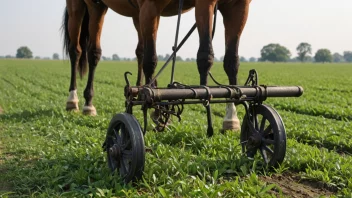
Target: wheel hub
[(255, 140), (115, 151)]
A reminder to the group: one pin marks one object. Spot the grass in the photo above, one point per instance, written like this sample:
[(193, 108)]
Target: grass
[(48, 152)]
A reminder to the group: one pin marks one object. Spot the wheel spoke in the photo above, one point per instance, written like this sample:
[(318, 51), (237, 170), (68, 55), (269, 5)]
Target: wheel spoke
[(127, 155), (267, 130), (252, 129), (125, 165), (268, 141), (262, 125), (256, 122), (126, 145), (263, 153), (123, 132), (112, 161), (271, 152), (251, 152), (117, 137)]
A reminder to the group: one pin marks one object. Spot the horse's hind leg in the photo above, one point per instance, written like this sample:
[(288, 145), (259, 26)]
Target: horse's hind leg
[(96, 20), (74, 16), (235, 16), (139, 51)]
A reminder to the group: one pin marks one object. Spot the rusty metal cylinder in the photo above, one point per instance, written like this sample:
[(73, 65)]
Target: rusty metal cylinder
[(256, 93)]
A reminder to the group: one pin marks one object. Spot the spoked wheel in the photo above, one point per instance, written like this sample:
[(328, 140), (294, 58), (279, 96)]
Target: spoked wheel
[(125, 147), (264, 133)]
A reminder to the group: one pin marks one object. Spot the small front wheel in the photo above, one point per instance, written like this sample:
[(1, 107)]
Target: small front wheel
[(125, 147), (263, 130)]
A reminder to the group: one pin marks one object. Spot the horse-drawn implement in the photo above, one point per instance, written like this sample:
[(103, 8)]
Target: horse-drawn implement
[(262, 129)]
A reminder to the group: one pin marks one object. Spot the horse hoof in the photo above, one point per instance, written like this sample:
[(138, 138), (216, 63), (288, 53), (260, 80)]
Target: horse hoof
[(231, 125), (89, 110), (72, 101), (72, 106)]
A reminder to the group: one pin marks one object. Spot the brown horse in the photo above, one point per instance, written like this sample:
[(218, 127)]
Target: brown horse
[(83, 23)]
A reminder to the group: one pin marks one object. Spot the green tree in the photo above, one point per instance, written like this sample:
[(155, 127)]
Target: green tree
[(337, 58), (167, 56), (252, 59), (323, 55), (37, 57), (348, 56), (160, 57), (179, 58), (303, 49), (243, 59), (275, 53), (24, 52), (294, 59), (309, 59), (56, 56), (115, 57)]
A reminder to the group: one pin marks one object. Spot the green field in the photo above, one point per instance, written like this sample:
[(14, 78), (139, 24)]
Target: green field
[(48, 152)]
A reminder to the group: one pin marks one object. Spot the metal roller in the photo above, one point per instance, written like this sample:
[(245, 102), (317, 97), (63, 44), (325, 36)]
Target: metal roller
[(239, 92)]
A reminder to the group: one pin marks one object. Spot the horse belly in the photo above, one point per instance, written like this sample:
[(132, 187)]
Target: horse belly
[(122, 7), (172, 8)]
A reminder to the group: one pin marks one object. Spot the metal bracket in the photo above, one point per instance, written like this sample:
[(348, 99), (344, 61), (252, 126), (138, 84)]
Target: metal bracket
[(252, 79)]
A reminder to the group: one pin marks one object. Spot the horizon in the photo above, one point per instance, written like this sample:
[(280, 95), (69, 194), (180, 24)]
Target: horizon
[(322, 24)]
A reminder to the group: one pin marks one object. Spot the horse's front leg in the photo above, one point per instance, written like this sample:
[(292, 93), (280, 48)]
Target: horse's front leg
[(205, 57), (149, 22), (235, 16), (149, 18)]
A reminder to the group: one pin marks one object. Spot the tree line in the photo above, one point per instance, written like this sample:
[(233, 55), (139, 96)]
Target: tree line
[(25, 52), (272, 52), (277, 53)]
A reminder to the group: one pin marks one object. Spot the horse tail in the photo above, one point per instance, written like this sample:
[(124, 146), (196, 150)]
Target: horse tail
[(83, 41), (64, 31)]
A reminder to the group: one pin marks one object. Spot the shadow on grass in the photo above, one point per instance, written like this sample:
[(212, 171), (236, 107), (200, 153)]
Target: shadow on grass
[(75, 118), (70, 174)]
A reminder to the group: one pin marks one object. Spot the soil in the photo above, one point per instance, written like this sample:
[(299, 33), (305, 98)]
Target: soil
[(292, 185)]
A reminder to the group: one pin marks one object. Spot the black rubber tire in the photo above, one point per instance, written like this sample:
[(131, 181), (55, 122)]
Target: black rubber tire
[(124, 130), (274, 138)]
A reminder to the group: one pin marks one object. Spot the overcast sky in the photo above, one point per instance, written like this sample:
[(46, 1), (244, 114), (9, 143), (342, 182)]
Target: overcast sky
[(322, 23)]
